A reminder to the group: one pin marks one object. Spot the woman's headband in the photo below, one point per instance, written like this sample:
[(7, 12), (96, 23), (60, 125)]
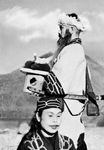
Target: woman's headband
[(50, 102)]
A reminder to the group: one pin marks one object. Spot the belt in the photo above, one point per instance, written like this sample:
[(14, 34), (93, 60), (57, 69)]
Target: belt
[(75, 97)]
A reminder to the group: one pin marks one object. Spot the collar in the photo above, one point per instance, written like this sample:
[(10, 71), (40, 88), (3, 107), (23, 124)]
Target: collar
[(76, 40), (48, 133)]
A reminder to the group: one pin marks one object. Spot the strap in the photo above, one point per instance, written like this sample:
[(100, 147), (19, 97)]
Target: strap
[(79, 112), (89, 90), (75, 97)]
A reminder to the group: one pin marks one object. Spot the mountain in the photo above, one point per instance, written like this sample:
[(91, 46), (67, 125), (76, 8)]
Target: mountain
[(97, 75), (15, 104)]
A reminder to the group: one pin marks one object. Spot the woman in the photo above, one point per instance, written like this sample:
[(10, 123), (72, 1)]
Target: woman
[(43, 134)]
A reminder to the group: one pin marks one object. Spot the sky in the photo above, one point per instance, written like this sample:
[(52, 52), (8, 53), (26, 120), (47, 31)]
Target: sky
[(30, 26)]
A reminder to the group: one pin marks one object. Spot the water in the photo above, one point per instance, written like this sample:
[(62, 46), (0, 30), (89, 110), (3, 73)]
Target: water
[(94, 136), (11, 124)]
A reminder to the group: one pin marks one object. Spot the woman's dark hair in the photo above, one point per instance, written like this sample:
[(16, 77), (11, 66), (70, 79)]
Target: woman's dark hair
[(34, 125)]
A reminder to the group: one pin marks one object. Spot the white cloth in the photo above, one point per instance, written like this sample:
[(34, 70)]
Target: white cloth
[(70, 69), (71, 125)]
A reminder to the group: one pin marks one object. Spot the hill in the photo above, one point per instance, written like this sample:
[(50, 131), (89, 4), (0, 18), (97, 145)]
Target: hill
[(15, 104), (97, 75)]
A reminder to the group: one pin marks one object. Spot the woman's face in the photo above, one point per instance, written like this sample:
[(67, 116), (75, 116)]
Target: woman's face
[(51, 119)]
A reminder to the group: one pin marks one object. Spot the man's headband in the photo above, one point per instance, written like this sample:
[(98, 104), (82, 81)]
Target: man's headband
[(70, 20)]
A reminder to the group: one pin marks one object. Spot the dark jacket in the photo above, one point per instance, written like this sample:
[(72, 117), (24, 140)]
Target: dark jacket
[(40, 142)]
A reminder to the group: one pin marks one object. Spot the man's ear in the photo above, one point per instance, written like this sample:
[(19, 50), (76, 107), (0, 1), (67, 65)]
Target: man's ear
[(37, 117)]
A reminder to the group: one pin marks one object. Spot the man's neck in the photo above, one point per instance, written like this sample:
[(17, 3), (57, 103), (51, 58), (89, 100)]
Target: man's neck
[(74, 36)]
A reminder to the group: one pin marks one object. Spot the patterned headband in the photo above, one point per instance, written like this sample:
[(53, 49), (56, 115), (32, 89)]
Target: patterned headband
[(48, 102)]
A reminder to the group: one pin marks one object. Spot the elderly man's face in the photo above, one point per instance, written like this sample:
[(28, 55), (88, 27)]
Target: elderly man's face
[(64, 31)]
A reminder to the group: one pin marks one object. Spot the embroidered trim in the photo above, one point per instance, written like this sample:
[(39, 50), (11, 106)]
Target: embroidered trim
[(36, 143)]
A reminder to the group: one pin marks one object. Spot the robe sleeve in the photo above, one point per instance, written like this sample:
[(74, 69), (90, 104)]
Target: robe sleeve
[(67, 64)]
